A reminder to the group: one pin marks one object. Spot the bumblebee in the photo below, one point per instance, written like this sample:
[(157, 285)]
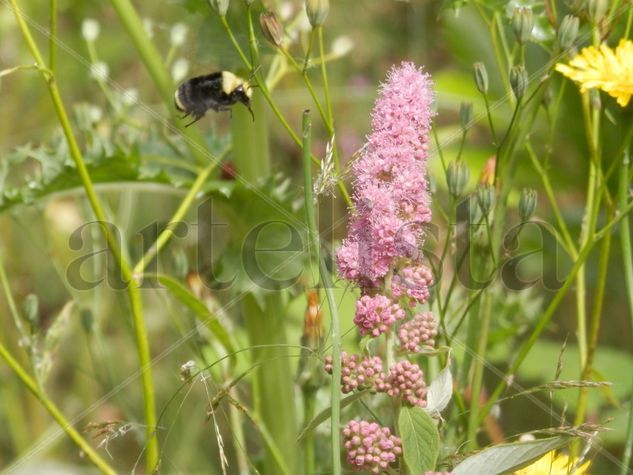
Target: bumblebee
[(217, 91)]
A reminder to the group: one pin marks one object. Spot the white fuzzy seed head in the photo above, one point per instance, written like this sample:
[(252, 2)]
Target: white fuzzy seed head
[(90, 29)]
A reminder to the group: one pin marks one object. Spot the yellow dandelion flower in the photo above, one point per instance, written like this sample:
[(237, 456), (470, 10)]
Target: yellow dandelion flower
[(603, 68), (553, 464)]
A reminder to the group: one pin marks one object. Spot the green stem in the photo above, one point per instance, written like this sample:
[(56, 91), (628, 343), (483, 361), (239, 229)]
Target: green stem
[(132, 285), (478, 373), (326, 87), (265, 318), (53, 410), (309, 404), (52, 39), (326, 281), (588, 224), (549, 312), (13, 309), (180, 213), (489, 114), (266, 93), (625, 238), (562, 226), (594, 329)]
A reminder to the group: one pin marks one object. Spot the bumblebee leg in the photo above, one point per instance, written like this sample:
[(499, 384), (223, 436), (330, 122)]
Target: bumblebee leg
[(196, 118)]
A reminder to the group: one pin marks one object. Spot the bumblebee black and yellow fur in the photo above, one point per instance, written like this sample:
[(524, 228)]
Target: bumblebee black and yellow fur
[(217, 91)]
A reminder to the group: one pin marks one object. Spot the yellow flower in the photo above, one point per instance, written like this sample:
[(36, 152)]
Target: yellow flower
[(552, 464), (603, 68)]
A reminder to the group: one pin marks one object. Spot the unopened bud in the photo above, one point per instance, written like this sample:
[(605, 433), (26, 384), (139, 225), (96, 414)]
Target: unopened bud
[(518, 81), (485, 198), (457, 176), (271, 28), (317, 11), (465, 115), (568, 31), (313, 321), (220, 6), (31, 310), (527, 203), (481, 77), (596, 9), (522, 24), (548, 96), (487, 175)]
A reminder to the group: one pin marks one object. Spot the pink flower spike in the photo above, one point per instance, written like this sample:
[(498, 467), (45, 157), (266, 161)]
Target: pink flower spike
[(390, 186)]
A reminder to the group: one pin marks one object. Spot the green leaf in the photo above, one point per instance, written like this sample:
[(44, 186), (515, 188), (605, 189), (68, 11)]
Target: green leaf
[(420, 439), (325, 414), (267, 249), (508, 457), (199, 309), (439, 392)]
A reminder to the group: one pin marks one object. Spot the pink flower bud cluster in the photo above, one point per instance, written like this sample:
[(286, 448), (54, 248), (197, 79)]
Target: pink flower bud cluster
[(375, 315), (418, 332), (390, 187), (370, 447), (414, 282), (405, 380), (356, 373)]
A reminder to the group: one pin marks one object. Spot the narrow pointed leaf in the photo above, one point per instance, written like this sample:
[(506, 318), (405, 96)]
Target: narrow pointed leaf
[(508, 457)]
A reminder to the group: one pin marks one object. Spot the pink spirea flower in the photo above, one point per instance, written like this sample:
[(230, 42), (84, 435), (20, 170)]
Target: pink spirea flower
[(413, 281), (375, 315), (405, 380), (356, 372), (390, 187), (370, 447), (421, 330)]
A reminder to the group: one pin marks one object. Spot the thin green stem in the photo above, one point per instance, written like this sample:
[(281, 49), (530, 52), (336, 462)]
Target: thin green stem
[(311, 90), (13, 309), (478, 373), (54, 411), (180, 213), (326, 87), (52, 38), (551, 308), (562, 226), (489, 114), (268, 97), (326, 281), (306, 61), (625, 241), (132, 285), (594, 329)]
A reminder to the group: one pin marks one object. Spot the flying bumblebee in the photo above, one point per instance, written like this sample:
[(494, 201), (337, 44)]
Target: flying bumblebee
[(217, 91)]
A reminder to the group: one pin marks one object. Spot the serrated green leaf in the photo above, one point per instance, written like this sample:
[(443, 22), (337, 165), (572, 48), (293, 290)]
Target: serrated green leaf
[(508, 457), (420, 439), (267, 250), (325, 414), (199, 309)]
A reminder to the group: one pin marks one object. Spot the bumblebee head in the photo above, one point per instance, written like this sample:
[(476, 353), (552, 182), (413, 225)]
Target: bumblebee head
[(237, 88)]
